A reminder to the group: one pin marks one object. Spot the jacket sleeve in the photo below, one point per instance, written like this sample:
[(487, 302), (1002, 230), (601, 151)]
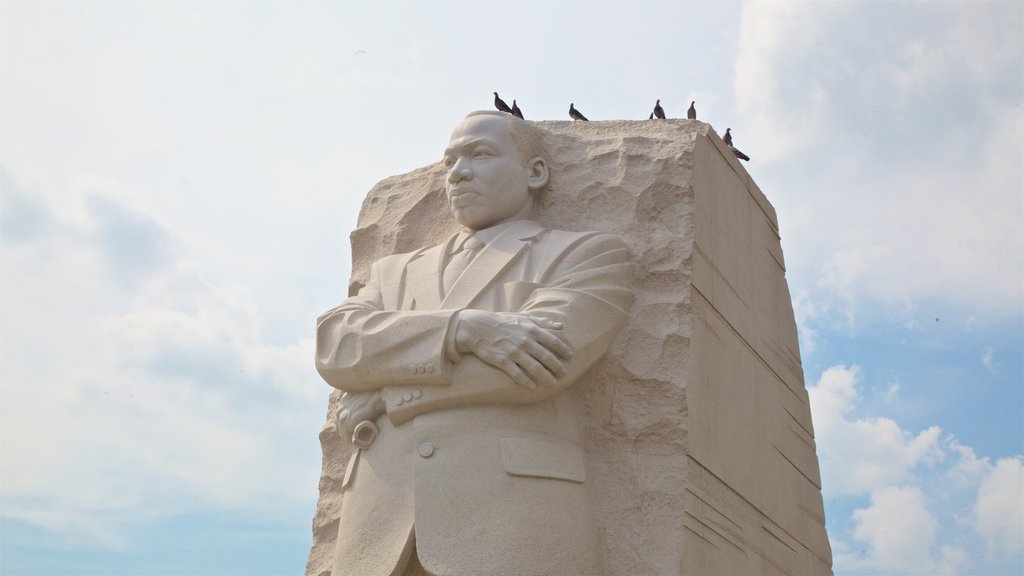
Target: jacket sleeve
[(362, 346), (588, 287)]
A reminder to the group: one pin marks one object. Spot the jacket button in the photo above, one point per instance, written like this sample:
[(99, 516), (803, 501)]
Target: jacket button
[(417, 394), (407, 397), (426, 450)]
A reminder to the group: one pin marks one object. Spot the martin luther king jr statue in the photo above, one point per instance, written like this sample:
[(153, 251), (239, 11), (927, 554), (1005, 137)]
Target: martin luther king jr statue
[(456, 357)]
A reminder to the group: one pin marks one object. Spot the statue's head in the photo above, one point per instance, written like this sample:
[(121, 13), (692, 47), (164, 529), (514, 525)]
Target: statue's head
[(495, 168)]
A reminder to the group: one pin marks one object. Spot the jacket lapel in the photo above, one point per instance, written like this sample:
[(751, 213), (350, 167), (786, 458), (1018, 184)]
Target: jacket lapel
[(488, 265), (423, 278)]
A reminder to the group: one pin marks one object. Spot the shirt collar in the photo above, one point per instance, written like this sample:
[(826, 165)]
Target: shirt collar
[(486, 235)]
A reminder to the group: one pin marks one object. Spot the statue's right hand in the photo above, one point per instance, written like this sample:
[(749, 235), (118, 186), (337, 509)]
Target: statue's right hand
[(358, 407), (523, 346)]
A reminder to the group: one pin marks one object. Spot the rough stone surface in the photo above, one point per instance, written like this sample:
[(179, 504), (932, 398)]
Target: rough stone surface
[(699, 436)]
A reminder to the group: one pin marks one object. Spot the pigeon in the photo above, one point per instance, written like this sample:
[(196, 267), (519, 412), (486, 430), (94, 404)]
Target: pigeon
[(500, 104), (516, 111), (728, 142), (575, 114), (658, 110), (651, 117), (692, 112), (739, 154)]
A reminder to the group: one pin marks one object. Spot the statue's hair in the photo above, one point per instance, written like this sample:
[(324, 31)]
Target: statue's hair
[(528, 138)]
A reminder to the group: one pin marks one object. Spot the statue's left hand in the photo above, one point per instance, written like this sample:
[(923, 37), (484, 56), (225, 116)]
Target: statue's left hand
[(358, 407), (521, 345)]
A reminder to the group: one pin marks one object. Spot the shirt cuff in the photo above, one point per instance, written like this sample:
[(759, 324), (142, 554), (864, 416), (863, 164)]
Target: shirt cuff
[(450, 352)]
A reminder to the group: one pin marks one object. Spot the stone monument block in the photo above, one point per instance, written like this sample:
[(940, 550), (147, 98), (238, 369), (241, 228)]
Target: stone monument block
[(700, 453)]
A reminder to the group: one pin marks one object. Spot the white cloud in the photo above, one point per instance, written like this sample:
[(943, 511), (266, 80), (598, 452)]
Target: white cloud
[(892, 391), (987, 356), (766, 42), (883, 203), (999, 511), (951, 558), (805, 311), (969, 470), (931, 499), (860, 454), (133, 387), (899, 530)]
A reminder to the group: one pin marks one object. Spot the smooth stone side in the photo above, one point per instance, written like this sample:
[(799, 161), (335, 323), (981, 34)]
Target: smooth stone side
[(700, 443)]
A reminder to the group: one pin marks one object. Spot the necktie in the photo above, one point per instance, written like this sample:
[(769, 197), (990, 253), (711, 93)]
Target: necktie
[(459, 261)]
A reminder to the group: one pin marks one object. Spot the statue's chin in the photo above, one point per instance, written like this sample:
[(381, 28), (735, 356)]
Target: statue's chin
[(468, 219)]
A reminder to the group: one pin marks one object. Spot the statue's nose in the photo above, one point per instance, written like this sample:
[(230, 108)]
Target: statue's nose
[(459, 173)]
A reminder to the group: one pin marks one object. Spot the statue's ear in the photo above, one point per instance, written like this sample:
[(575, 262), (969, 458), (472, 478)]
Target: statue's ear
[(538, 173)]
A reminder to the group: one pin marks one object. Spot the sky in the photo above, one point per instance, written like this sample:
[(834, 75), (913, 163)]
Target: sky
[(178, 181)]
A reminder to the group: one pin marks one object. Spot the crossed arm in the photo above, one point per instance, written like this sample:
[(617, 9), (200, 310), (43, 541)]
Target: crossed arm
[(476, 356)]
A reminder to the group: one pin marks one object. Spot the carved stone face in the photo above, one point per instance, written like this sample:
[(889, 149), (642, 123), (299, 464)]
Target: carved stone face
[(488, 183)]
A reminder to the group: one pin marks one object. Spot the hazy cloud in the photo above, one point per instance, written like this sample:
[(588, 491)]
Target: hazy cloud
[(133, 244), (22, 217), (999, 511), (157, 402), (987, 357), (902, 150)]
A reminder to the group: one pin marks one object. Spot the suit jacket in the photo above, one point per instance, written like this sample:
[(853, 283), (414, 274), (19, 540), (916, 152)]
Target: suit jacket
[(491, 474)]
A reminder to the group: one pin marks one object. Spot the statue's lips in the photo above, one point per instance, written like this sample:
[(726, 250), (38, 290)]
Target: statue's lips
[(462, 197)]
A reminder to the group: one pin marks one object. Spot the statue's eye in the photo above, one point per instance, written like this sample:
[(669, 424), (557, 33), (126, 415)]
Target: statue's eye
[(482, 153)]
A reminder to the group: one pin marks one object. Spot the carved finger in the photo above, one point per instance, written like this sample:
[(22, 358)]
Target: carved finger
[(516, 373), (547, 323), (553, 343), (536, 371), (550, 362)]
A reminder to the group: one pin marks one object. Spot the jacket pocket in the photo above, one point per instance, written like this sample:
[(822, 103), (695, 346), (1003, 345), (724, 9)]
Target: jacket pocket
[(542, 458)]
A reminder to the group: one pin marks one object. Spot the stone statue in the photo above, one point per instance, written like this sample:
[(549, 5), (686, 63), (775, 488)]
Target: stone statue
[(454, 360)]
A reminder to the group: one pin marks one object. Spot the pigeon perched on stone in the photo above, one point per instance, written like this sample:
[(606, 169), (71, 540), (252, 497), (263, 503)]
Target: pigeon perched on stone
[(692, 112), (500, 104), (516, 111), (727, 138), (575, 114), (658, 110), (651, 117), (739, 154)]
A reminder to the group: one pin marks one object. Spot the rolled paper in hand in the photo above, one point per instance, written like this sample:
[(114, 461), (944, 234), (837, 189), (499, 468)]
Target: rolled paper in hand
[(364, 434)]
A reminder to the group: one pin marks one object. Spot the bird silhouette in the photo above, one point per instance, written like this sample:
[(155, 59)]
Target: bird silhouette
[(575, 114), (692, 112), (516, 111), (728, 137), (500, 104), (739, 154), (651, 117), (658, 110)]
